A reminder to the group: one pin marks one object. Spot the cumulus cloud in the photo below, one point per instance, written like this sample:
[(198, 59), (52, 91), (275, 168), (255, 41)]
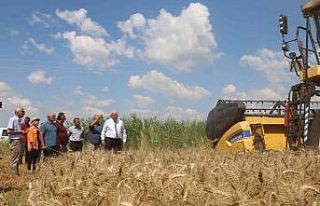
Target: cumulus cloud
[(13, 32), (40, 46), (39, 77), (4, 88), (274, 68), (134, 26), (41, 18), (11, 100), (183, 42), (143, 101), (105, 89), (90, 100), (229, 89), (145, 113), (180, 113), (157, 82), (94, 52), (85, 24), (90, 111)]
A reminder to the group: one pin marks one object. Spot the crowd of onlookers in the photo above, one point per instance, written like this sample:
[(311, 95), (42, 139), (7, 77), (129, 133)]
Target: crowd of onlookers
[(30, 139)]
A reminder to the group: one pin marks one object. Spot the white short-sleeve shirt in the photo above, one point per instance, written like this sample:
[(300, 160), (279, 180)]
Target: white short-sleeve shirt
[(14, 124)]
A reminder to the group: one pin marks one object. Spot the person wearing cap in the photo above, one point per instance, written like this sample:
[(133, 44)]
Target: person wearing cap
[(34, 143), (25, 126), (15, 135), (113, 134)]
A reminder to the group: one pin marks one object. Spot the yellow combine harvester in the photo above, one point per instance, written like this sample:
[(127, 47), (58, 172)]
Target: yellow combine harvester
[(247, 125), (255, 133), (250, 125)]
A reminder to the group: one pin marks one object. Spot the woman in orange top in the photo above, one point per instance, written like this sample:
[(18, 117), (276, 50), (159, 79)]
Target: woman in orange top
[(35, 142)]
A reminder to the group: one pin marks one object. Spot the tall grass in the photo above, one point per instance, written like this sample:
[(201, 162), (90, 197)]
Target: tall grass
[(155, 133), (4, 148)]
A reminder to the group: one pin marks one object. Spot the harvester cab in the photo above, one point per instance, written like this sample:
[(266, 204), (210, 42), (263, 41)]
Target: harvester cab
[(306, 65)]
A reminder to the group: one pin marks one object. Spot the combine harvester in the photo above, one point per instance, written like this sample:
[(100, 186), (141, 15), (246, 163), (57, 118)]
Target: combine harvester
[(248, 125)]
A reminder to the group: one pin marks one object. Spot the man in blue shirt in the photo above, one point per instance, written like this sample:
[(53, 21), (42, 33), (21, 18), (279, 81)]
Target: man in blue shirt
[(49, 133)]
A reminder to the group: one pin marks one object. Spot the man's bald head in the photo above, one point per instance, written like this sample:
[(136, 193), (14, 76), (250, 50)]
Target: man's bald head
[(51, 117), (114, 115), (19, 111)]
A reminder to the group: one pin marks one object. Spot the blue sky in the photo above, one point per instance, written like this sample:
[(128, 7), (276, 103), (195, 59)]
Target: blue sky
[(170, 58)]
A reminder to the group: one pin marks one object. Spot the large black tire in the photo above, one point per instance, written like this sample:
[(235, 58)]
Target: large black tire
[(222, 117)]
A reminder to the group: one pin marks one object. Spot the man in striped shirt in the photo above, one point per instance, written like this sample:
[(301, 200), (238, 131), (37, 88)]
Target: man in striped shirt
[(15, 135)]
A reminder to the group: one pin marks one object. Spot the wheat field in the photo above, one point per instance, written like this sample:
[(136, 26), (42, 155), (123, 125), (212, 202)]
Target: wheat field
[(197, 176), (165, 163)]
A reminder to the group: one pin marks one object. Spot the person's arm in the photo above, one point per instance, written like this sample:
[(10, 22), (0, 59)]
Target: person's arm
[(82, 133), (103, 132), (11, 128), (91, 125), (42, 135), (29, 138), (43, 145), (124, 134)]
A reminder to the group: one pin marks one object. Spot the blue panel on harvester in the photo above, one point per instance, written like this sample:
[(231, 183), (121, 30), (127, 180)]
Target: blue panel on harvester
[(246, 133)]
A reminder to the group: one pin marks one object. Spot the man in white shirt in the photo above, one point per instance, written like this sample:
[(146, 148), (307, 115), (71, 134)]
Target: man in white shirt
[(15, 135), (113, 134), (76, 136)]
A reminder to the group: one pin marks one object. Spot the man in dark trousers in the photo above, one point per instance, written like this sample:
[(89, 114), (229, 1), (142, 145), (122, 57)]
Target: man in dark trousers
[(76, 136), (113, 134), (62, 132), (49, 133), (25, 126)]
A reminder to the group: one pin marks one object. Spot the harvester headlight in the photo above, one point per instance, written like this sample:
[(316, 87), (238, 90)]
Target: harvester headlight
[(283, 23)]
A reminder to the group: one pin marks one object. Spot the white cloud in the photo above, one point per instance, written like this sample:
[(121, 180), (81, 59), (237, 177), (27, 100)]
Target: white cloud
[(39, 77), (78, 91), (95, 101), (274, 68), (79, 18), (105, 89), (40, 46), (94, 52), (90, 100), (183, 42), (41, 18), (159, 83), (135, 24), (11, 100), (143, 101), (13, 32), (229, 89), (180, 113), (90, 111), (4, 88), (145, 113)]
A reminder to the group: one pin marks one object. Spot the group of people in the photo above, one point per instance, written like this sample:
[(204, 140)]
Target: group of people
[(29, 138)]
